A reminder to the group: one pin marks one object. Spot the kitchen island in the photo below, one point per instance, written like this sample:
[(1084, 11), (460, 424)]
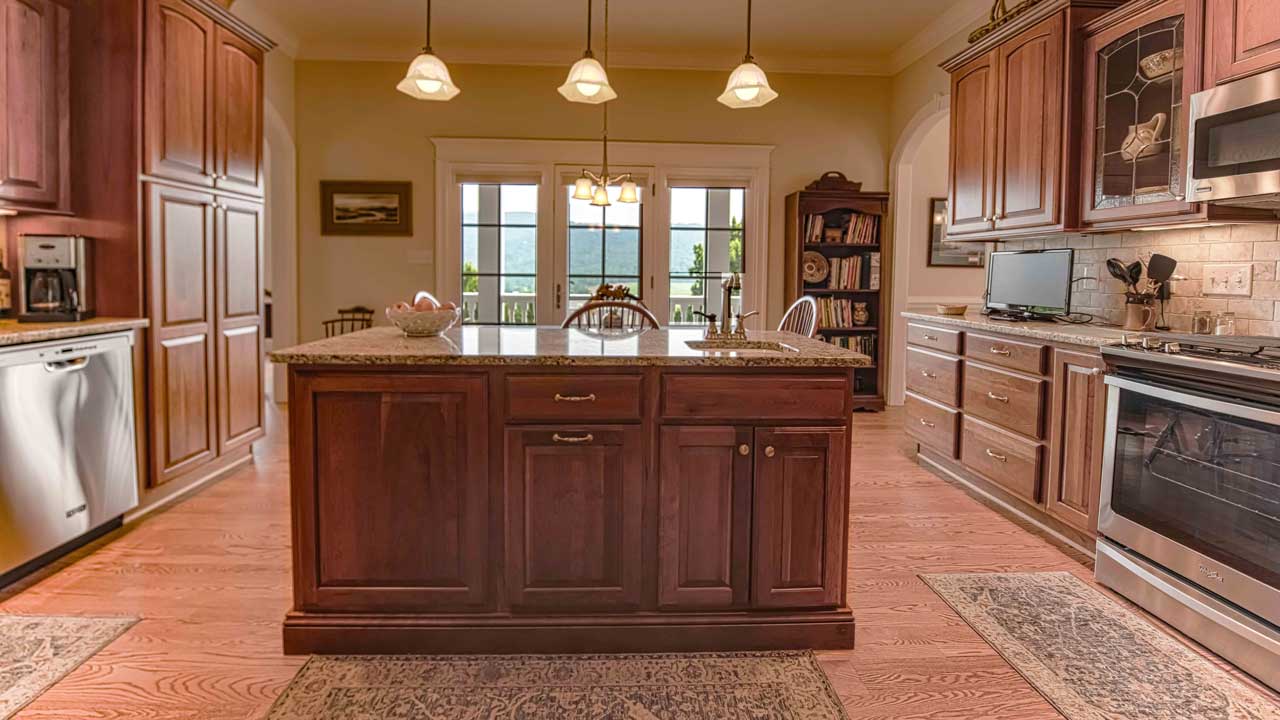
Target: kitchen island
[(547, 490)]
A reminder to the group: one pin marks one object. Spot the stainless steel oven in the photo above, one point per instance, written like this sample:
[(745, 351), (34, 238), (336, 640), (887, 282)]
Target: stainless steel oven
[(1233, 147), (1190, 509)]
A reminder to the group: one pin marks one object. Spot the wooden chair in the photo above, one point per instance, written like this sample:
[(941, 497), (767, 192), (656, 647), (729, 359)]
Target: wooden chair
[(612, 308), (801, 317), (349, 320)]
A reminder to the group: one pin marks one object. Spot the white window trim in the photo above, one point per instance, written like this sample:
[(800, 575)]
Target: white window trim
[(673, 165)]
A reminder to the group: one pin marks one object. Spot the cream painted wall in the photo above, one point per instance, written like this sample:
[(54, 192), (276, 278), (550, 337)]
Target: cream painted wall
[(353, 125), (929, 180), (281, 247), (922, 81)]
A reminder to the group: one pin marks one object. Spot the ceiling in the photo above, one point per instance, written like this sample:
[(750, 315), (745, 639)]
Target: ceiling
[(831, 36)]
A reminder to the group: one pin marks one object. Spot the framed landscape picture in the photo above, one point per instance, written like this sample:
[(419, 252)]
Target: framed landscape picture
[(950, 254), (358, 207)]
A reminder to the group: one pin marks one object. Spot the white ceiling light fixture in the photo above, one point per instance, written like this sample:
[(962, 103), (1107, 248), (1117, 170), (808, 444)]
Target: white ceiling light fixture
[(593, 187), (588, 82), (748, 86), (428, 76)]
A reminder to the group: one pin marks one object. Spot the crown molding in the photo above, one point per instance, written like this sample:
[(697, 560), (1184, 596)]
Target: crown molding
[(960, 17)]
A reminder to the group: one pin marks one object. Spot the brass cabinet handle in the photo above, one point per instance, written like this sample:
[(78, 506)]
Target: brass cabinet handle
[(744, 449), (557, 437), (998, 398), (928, 374), (769, 451), (926, 423), (930, 338), (575, 398), (993, 454), (996, 350)]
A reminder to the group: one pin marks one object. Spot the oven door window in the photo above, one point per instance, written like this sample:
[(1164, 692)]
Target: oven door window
[(1207, 480), (1238, 142)]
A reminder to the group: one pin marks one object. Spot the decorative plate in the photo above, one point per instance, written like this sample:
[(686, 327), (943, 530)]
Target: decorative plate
[(815, 266)]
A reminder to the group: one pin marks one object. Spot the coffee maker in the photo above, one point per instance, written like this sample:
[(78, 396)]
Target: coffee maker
[(56, 282)]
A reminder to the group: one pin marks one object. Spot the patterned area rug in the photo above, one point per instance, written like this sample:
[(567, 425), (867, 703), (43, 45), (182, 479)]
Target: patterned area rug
[(759, 686), (37, 651), (1092, 658)]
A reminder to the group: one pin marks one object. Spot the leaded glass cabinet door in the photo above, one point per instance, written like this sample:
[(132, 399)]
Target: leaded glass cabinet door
[(1140, 78)]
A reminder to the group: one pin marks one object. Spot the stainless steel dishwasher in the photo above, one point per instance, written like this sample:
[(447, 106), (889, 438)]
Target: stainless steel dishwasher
[(68, 462)]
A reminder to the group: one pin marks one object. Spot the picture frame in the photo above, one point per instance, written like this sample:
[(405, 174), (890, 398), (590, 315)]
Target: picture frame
[(950, 254), (364, 207)]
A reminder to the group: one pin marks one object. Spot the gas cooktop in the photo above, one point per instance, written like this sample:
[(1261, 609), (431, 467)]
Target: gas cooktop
[(1259, 354)]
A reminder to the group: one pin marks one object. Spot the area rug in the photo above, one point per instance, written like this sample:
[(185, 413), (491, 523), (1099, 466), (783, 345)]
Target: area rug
[(1092, 658), (759, 686), (37, 651)]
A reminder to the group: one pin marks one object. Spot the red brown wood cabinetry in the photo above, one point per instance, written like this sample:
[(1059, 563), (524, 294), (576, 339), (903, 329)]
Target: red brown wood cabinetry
[(973, 139), (178, 73), (1075, 448), (239, 235), (34, 98), (411, 454), (798, 530), (575, 501), (704, 530), (1242, 38), (238, 114)]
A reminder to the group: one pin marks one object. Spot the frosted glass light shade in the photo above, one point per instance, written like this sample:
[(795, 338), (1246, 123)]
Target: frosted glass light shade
[(627, 192), (582, 188), (601, 196), (747, 87), (428, 79), (587, 83)]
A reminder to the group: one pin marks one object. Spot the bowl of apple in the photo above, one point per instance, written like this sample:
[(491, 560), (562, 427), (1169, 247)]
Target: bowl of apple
[(425, 317)]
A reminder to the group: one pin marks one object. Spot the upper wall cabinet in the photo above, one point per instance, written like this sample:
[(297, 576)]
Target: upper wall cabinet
[(34, 99), (1242, 37), (237, 114)]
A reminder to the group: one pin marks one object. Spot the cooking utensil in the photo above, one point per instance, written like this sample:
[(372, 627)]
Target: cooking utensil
[(1118, 270), (1135, 273), (1160, 268)]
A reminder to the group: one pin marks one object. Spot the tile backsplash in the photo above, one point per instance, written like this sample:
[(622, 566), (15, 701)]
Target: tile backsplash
[(1193, 248)]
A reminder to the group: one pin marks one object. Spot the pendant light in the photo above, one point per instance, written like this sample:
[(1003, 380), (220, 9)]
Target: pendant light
[(747, 87), (428, 77), (593, 187), (588, 82)]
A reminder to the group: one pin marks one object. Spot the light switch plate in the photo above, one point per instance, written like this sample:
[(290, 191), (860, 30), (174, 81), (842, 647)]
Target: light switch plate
[(1228, 279)]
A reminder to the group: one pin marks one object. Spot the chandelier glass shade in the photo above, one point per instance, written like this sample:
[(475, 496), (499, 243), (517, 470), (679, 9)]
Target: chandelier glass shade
[(428, 76)]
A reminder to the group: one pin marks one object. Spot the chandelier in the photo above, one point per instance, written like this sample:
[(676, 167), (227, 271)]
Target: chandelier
[(592, 186)]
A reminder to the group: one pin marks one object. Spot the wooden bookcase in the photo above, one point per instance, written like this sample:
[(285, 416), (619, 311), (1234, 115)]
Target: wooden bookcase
[(834, 202)]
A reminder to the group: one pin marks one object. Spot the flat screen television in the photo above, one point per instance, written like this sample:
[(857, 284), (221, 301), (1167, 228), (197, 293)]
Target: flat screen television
[(1031, 283)]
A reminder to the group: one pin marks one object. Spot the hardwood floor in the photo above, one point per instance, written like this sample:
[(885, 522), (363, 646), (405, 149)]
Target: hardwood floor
[(210, 578)]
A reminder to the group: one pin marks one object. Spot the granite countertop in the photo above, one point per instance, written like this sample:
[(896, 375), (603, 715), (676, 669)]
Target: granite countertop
[(13, 332), (1061, 332), (493, 345)]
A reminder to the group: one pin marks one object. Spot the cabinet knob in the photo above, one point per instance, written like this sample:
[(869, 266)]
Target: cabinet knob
[(769, 451), (744, 449)]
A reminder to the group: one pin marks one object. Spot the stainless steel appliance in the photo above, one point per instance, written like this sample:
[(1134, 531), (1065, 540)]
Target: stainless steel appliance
[(1189, 521), (1233, 147), (68, 463), (56, 279)]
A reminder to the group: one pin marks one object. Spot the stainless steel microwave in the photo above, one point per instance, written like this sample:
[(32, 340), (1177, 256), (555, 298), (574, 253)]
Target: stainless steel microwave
[(1233, 147)]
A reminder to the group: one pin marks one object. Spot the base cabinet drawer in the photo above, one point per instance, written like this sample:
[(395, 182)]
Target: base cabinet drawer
[(773, 397), (934, 338), (1014, 402), (1012, 354), (1012, 462), (932, 424), (573, 397), (934, 376)]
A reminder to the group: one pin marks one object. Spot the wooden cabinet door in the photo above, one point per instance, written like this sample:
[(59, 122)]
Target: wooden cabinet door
[(239, 322), (180, 247), (1076, 438), (34, 126), (574, 500), (396, 468), (704, 525), (1029, 136), (798, 555), (1242, 37), (238, 114), (178, 91), (971, 178)]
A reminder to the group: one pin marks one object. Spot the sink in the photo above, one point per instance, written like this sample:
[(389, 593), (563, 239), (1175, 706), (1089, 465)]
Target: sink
[(741, 345)]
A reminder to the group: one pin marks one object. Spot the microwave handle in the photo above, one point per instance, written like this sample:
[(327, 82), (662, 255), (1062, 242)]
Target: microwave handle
[(1245, 412)]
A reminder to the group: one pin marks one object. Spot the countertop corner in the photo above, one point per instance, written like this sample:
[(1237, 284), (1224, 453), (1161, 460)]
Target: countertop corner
[(1088, 335), (13, 332)]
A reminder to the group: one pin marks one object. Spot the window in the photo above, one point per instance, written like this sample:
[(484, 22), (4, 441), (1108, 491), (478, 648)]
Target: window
[(708, 240), (604, 246), (499, 253)]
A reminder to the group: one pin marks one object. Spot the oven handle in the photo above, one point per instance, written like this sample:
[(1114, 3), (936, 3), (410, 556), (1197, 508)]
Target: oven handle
[(1246, 412)]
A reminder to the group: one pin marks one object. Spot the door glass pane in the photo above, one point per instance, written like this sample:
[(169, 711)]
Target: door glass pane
[(499, 253), (604, 246), (708, 240)]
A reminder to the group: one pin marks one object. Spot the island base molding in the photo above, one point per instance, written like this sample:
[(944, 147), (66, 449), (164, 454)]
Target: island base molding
[(327, 634)]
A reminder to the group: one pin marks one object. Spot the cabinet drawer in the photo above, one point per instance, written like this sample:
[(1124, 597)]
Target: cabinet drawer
[(934, 376), (573, 397), (1012, 401), (768, 397), (1010, 461), (1027, 357), (932, 424), (934, 338)]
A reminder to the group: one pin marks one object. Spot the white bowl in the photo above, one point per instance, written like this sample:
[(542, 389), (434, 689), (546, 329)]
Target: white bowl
[(424, 323)]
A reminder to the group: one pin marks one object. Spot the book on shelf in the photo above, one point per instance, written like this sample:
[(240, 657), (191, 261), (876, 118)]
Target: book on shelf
[(836, 313), (855, 272), (857, 229), (865, 344)]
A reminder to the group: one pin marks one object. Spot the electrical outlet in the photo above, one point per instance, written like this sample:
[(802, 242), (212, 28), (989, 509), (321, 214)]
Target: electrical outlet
[(1228, 279)]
